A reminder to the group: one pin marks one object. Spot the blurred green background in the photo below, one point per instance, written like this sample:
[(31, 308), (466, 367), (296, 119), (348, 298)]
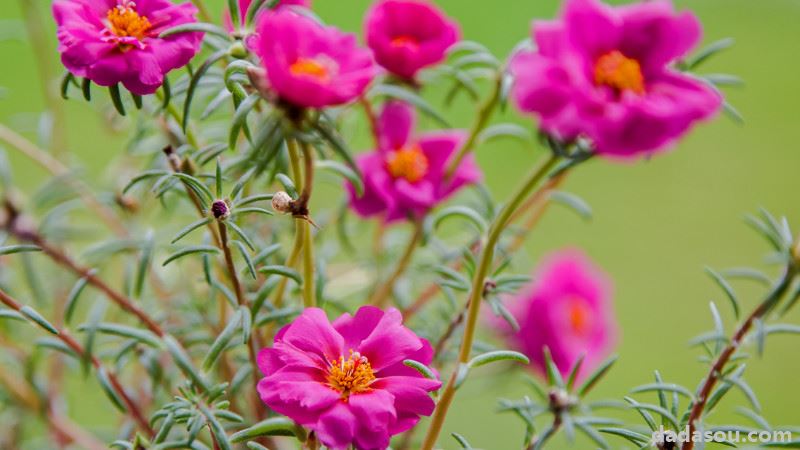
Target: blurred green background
[(656, 223)]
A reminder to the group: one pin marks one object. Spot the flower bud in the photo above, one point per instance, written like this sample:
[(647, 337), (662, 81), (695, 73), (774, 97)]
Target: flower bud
[(282, 202), (220, 210)]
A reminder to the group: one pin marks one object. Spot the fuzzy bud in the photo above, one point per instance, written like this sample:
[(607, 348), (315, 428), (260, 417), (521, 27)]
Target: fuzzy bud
[(282, 202), (220, 210)]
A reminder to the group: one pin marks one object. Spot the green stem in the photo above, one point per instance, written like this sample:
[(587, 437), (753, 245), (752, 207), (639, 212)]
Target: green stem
[(384, 290), (476, 294), (291, 260), (177, 116), (203, 10), (309, 291), (484, 114)]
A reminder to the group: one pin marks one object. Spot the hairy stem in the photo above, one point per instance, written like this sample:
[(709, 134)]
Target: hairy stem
[(481, 120), (384, 290), (69, 341), (476, 293), (717, 369)]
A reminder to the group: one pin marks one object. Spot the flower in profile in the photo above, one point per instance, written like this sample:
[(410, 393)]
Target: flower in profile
[(308, 64), (567, 308), (244, 6), (406, 176), (117, 41), (606, 73), (408, 35), (346, 380)]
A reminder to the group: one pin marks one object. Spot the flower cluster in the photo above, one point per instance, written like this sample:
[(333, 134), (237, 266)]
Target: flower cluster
[(282, 87)]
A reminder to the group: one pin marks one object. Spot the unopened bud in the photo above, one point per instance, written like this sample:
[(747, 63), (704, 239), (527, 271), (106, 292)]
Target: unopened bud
[(220, 210), (282, 202)]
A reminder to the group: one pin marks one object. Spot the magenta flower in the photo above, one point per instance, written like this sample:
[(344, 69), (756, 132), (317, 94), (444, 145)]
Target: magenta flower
[(605, 72), (346, 381), (567, 308), (116, 41), (308, 64), (405, 176), (244, 5), (408, 35)]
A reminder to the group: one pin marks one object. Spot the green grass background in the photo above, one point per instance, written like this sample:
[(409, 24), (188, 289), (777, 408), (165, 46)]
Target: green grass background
[(656, 223)]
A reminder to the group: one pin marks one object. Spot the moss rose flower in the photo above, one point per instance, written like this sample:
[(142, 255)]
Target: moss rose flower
[(405, 177), (605, 72), (116, 41), (346, 380), (409, 35), (567, 308), (308, 64)]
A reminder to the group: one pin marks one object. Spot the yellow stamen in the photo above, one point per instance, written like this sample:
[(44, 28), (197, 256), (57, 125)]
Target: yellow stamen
[(408, 162), (579, 316), (619, 72), (405, 41), (350, 376), (126, 22), (310, 68)]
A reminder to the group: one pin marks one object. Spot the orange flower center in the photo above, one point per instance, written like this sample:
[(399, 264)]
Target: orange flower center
[(351, 375), (310, 68), (579, 316), (124, 21), (408, 162), (405, 41), (619, 72)]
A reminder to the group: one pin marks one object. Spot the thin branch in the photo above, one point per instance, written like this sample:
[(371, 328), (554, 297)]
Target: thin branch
[(70, 342), (384, 290), (717, 369)]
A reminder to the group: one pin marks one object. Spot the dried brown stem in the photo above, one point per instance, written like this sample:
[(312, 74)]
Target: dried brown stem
[(70, 342)]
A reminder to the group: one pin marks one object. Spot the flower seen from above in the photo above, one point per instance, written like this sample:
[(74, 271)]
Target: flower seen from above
[(607, 73), (405, 177), (308, 64), (409, 35), (117, 41), (346, 380)]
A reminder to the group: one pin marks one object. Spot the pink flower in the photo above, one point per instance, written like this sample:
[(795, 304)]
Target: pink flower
[(408, 35), (405, 176), (244, 6), (605, 72), (346, 381), (567, 308), (116, 41), (311, 65)]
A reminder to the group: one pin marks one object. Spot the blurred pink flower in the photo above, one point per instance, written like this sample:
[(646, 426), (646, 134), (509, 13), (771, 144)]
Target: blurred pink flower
[(566, 308), (308, 64), (346, 381), (244, 5), (405, 176), (408, 35), (116, 41), (604, 72)]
